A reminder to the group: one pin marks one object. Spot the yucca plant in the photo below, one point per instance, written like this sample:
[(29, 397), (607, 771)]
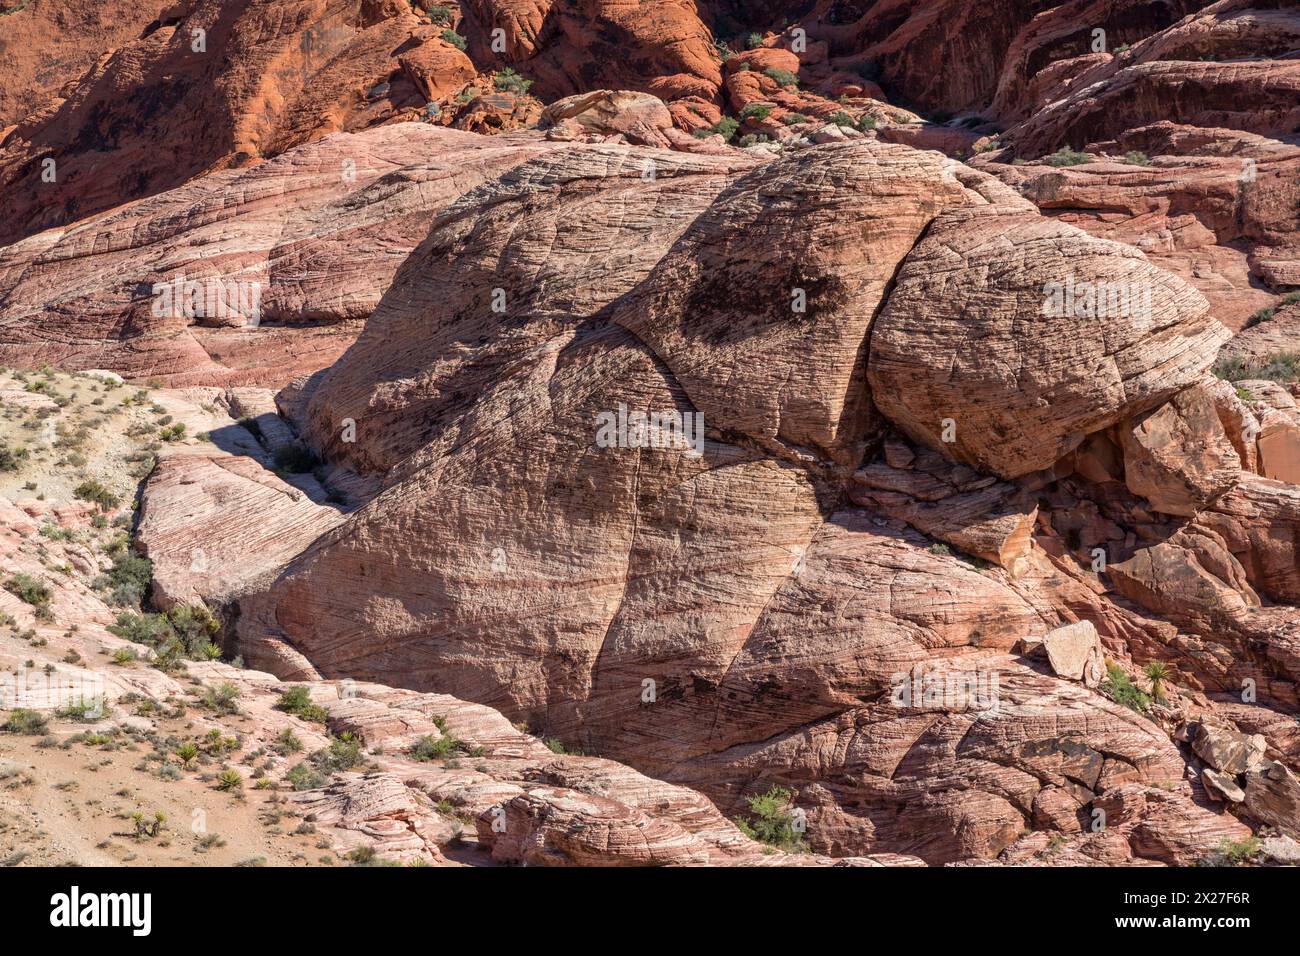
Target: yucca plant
[(1158, 674)]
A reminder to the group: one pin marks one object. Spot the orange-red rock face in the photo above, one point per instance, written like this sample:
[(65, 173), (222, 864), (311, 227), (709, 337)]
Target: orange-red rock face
[(207, 86), (45, 46)]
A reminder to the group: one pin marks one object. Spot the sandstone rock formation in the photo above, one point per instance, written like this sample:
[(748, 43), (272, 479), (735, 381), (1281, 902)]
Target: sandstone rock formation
[(620, 639), (1069, 334), (255, 276), (830, 404)]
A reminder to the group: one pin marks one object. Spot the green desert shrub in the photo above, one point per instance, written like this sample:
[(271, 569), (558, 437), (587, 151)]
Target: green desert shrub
[(29, 590), (771, 821), (297, 700), (127, 580), (508, 81), (782, 77), (1277, 367), (343, 753), (439, 13), (196, 629), (11, 459), (224, 698), (1232, 852), (1263, 315), (1065, 156), (434, 748), (96, 494), (305, 777), (1119, 687), (725, 127), (24, 721)]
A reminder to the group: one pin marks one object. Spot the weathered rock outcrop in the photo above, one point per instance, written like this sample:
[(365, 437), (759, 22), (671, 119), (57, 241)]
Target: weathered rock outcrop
[(45, 46), (1177, 73), (187, 526), (1008, 338), (683, 599), (828, 467), (256, 275), (1219, 213), (208, 86), (1178, 457), (523, 261)]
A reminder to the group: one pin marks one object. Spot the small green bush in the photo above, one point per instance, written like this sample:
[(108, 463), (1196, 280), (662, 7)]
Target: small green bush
[(11, 459), (96, 494), (84, 711), (127, 581), (196, 629), (147, 629), (1159, 674), (230, 780), (508, 81), (1119, 687), (1263, 315), (1278, 367), (297, 700), (431, 748), (1232, 852), (343, 753), (305, 777), (29, 590), (770, 821), (1065, 156), (439, 14), (223, 698), (725, 127), (782, 77), (24, 721), (1137, 158), (455, 39)]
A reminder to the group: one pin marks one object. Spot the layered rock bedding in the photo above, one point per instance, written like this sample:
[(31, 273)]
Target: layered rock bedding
[(687, 434)]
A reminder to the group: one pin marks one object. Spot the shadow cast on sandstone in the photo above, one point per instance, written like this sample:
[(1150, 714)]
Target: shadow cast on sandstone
[(710, 608)]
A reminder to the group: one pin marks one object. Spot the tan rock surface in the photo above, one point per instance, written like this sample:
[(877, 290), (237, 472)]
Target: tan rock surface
[(267, 253), (1178, 456), (1015, 383)]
